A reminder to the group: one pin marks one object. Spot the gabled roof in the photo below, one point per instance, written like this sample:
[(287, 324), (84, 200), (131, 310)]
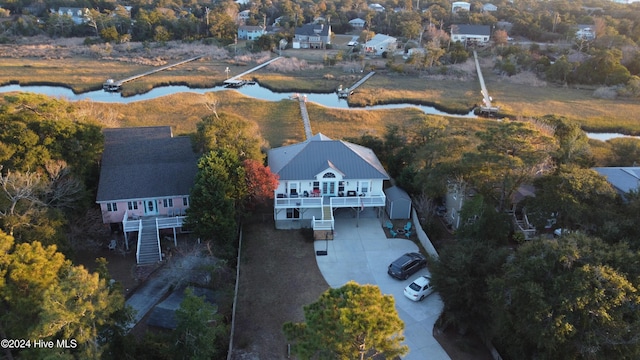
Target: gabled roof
[(303, 161), (623, 179), (313, 30), (145, 162), (250, 28), (471, 29), (380, 39)]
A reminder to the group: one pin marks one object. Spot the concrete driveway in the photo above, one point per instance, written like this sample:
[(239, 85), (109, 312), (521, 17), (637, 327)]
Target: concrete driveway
[(361, 252)]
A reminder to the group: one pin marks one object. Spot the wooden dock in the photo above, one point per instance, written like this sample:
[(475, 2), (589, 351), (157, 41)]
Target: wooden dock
[(344, 93), (486, 108), (237, 82), (302, 99), (116, 85)]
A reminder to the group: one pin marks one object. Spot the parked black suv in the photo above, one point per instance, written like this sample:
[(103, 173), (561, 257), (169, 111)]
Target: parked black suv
[(407, 265)]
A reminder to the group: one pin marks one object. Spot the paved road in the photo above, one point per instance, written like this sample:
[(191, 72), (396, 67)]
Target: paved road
[(362, 253)]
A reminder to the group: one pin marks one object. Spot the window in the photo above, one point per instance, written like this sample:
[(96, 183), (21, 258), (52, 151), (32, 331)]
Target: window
[(112, 206), (341, 186), (185, 201), (316, 185), (364, 187), (132, 205), (329, 175), (167, 202), (293, 213)]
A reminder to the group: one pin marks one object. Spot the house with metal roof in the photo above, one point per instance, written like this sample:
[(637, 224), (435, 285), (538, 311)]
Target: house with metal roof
[(623, 179), (478, 34), (250, 32), (145, 178), (320, 175), (380, 44)]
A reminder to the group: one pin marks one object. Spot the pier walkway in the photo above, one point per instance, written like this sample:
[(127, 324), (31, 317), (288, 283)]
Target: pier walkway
[(235, 80), (116, 85), (302, 99), (344, 93), (486, 108)]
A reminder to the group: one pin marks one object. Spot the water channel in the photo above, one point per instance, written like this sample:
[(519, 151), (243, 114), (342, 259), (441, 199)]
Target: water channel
[(255, 91)]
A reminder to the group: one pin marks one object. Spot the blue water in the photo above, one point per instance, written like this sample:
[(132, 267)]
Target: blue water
[(255, 91)]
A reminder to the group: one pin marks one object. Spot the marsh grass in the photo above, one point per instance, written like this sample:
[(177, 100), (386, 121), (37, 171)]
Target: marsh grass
[(279, 122)]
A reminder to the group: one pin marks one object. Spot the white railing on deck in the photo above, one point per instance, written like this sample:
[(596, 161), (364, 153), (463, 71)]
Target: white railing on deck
[(129, 224), (305, 202), (170, 222), (158, 237), (139, 242), (354, 201), (322, 224)]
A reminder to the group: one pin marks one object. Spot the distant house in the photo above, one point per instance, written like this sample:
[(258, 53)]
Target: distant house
[(478, 34), (585, 32), (320, 175), (380, 43), (312, 36), (489, 8), (277, 21), (248, 32), (460, 6), (376, 7), (623, 179), (78, 15), (145, 178), (244, 15), (357, 23)]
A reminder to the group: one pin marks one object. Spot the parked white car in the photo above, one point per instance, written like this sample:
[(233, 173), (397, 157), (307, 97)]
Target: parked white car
[(419, 289)]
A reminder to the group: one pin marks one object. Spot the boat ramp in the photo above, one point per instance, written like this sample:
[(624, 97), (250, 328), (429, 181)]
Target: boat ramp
[(344, 93), (116, 85)]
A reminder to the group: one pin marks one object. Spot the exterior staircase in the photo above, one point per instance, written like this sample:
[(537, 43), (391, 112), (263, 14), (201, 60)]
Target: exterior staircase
[(327, 214), (148, 246)]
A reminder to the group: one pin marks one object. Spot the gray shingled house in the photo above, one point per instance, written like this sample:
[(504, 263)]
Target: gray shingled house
[(145, 177), (312, 36), (320, 175)]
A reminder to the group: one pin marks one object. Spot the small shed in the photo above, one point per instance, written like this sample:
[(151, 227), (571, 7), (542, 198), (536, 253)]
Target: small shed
[(398, 203)]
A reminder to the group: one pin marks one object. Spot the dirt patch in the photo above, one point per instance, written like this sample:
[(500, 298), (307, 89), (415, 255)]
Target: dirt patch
[(278, 276)]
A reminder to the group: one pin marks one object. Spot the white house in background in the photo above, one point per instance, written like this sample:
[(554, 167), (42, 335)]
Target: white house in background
[(145, 179), (376, 7), (357, 23), (460, 5), (312, 36), (244, 15), (249, 32), (320, 175), (78, 15), (489, 8), (479, 34), (380, 43), (585, 32)]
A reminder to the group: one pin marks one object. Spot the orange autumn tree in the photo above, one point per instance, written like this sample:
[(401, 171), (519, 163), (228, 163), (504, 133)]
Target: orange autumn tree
[(260, 182)]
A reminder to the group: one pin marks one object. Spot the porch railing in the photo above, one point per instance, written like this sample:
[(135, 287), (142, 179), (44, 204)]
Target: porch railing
[(355, 201), (139, 241), (322, 224), (305, 202), (129, 225), (170, 222)]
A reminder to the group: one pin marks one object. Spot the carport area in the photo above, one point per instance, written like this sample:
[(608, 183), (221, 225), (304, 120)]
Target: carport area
[(361, 252)]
